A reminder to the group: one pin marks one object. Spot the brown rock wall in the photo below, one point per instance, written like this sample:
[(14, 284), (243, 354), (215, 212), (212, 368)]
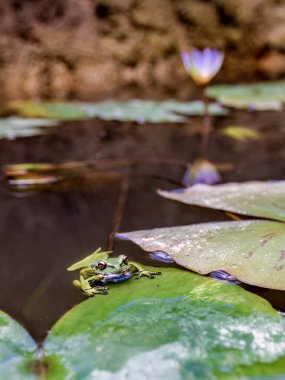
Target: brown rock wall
[(93, 49)]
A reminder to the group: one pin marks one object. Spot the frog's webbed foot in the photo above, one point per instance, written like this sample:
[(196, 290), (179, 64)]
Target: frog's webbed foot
[(146, 273), (96, 290)]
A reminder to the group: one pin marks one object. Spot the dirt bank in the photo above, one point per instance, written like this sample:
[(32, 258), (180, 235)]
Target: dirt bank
[(91, 49)]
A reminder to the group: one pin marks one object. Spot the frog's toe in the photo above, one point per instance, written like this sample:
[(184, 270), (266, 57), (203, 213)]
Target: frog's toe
[(88, 294)]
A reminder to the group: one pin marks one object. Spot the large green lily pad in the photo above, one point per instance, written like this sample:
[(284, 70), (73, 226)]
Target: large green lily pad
[(177, 326), (258, 96), (134, 110), (252, 251), (17, 350), (261, 199)]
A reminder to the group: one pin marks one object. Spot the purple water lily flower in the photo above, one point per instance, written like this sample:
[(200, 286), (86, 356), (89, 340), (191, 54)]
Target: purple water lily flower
[(202, 65)]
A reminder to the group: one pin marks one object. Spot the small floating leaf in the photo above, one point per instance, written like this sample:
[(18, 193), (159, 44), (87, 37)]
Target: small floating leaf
[(261, 199), (258, 96), (17, 350), (241, 133), (178, 326), (251, 251)]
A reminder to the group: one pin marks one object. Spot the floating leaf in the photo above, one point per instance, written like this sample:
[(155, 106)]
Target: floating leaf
[(134, 110), (14, 127), (241, 133), (258, 96), (17, 350), (252, 251), (178, 326), (261, 199)]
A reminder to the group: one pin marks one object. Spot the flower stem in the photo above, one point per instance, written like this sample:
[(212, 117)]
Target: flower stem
[(207, 124)]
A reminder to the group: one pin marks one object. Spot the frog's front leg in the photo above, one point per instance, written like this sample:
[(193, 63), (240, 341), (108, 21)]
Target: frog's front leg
[(85, 286), (139, 271)]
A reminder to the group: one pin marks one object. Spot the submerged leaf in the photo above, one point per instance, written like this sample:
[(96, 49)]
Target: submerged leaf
[(252, 251), (258, 96), (261, 199), (241, 133), (17, 350), (135, 110), (178, 326)]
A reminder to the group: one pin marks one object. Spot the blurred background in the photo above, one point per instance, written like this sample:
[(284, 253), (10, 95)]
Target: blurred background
[(96, 49)]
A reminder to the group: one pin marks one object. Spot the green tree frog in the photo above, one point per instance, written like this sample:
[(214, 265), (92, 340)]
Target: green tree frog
[(99, 269)]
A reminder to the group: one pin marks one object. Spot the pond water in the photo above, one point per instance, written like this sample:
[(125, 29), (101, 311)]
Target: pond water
[(43, 232)]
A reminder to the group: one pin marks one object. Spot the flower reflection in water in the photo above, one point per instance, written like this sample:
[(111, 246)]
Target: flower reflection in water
[(201, 172)]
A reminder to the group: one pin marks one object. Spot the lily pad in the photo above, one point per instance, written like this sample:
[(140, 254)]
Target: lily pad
[(252, 251), (261, 199), (258, 96), (14, 127), (135, 110), (17, 350), (178, 326)]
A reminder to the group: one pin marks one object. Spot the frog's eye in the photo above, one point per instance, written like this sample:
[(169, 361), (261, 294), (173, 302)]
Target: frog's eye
[(125, 260), (101, 265)]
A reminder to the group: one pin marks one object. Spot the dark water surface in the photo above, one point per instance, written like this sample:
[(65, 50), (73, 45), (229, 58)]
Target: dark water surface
[(42, 233)]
